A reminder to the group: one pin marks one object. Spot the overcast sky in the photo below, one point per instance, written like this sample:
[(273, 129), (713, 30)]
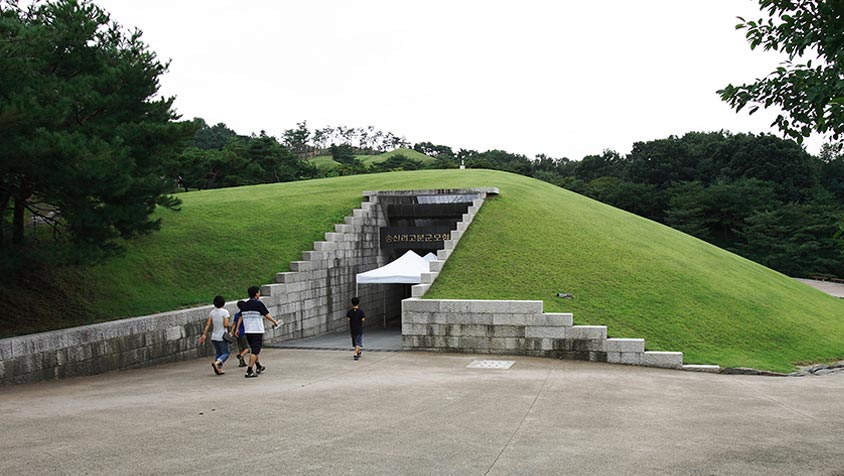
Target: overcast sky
[(566, 78)]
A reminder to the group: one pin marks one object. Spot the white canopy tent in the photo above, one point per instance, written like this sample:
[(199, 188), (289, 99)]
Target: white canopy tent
[(407, 269), (430, 257)]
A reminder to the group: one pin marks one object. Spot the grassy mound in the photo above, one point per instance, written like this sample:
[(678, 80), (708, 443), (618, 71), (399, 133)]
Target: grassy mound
[(325, 162), (639, 278)]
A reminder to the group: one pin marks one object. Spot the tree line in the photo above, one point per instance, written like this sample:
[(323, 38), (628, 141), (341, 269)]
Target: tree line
[(89, 151), (217, 156), (760, 196)]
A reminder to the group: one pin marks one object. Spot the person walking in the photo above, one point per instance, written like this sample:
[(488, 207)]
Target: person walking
[(237, 330), (356, 319), (218, 323), (252, 315)]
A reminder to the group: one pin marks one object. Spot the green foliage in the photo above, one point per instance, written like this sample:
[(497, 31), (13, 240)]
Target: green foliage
[(832, 170), (809, 91), (214, 137), (610, 163), (397, 162), (221, 158), (343, 154), (499, 160), (372, 160), (433, 150), (639, 198), (711, 184), (718, 213), (794, 237), (366, 163), (84, 138), (297, 139)]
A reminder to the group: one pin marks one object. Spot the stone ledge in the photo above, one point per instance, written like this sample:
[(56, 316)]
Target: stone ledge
[(626, 358), (419, 305), (299, 266), (625, 345), (325, 246), (273, 290), (288, 277), (419, 290), (545, 332), (554, 319), (587, 332), (667, 360)]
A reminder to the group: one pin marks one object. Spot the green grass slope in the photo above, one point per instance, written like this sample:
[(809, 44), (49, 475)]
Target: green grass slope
[(325, 162), (639, 278)]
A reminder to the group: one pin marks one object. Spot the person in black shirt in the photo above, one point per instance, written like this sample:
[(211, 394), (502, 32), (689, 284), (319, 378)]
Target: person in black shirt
[(356, 317)]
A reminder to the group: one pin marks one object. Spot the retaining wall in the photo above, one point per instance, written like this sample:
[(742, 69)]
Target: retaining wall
[(520, 328), (311, 299)]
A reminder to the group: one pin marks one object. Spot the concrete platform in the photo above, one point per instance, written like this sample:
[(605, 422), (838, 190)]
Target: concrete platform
[(833, 289), (412, 413), (374, 339)]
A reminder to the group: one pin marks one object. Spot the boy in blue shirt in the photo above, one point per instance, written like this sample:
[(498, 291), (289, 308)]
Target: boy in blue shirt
[(242, 344)]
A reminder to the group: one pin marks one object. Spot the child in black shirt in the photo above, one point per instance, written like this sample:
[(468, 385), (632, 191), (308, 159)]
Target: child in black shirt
[(356, 317)]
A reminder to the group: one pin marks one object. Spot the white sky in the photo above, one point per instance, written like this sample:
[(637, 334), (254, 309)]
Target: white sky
[(565, 78)]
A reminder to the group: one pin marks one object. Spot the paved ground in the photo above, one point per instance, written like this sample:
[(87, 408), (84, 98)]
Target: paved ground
[(374, 338), (833, 289), (320, 412)]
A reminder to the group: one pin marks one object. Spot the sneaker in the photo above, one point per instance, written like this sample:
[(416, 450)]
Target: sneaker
[(357, 357), (242, 363), (250, 374), (259, 368), (216, 369)]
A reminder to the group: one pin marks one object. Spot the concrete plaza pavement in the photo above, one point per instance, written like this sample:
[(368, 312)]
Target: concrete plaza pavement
[(833, 289), (320, 412)]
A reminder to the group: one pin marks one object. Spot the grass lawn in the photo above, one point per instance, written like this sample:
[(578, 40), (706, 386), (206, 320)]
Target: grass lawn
[(639, 278), (325, 162)]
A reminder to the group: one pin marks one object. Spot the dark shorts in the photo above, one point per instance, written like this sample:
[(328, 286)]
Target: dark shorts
[(242, 343), (255, 342), (357, 337)]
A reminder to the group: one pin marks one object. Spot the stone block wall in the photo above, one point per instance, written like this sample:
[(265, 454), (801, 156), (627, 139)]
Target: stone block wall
[(115, 345), (311, 299), (520, 328)]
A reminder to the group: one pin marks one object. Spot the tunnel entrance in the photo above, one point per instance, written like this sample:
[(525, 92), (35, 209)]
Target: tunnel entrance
[(417, 221), (314, 295), (420, 222)]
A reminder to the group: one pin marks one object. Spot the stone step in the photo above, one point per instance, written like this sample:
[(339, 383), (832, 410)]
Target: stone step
[(419, 290), (625, 345), (665, 360)]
